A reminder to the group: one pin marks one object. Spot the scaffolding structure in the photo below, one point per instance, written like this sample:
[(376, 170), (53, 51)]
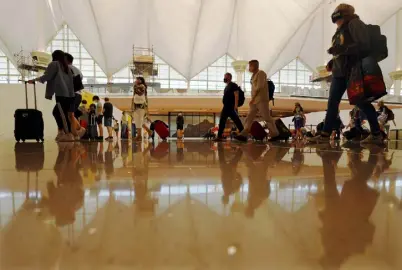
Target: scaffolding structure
[(31, 64), (143, 65)]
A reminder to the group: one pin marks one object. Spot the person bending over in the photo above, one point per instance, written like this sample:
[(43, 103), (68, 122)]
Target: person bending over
[(60, 84)]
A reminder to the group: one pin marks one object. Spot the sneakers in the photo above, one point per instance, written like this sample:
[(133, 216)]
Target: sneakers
[(81, 132), (110, 139), (319, 139), (241, 138), (59, 135), (373, 139), (67, 138)]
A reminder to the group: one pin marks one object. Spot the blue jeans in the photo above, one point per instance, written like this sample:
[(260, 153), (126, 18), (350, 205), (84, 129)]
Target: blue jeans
[(338, 88)]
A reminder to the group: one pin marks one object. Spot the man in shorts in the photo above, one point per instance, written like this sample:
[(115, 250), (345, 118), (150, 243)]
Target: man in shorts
[(108, 118), (99, 116)]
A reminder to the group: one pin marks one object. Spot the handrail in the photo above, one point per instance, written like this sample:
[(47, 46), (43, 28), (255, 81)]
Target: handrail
[(283, 91)]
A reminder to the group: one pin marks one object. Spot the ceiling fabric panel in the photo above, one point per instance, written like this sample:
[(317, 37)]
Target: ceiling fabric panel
[(190, 34), (28, 25)]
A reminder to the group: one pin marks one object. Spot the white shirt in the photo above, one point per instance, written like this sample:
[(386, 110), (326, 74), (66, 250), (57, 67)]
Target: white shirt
[(77, 72)]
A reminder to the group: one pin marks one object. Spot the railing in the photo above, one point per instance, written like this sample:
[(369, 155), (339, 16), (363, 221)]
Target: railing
[(284, 91)]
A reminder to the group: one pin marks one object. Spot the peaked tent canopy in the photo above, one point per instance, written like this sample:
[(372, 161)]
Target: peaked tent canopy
[(188, 34)]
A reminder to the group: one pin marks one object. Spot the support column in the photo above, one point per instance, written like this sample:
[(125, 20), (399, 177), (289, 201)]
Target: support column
[(396, 76), (240, 67)]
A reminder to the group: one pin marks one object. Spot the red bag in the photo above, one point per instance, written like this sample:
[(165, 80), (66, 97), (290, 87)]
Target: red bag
[(366, 83), (161, 129), (257, 131)]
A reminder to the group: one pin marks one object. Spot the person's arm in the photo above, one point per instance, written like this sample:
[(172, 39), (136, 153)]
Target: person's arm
[(236, 99), (261, 83), (49, 74)]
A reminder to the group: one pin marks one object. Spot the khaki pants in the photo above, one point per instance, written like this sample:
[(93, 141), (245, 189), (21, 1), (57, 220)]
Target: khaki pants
[(263, 108)]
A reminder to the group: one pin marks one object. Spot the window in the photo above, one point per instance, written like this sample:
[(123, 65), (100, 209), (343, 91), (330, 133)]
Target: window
[(67, 41), (8, 72), (295, 75)]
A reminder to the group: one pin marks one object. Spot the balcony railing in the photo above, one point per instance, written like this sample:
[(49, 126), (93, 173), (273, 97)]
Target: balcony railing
[(155, 90)]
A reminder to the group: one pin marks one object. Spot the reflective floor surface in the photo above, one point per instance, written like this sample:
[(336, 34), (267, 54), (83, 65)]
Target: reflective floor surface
[(199, 205)]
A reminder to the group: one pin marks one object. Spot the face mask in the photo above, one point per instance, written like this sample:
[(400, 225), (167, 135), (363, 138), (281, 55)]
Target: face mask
[(225, 80)]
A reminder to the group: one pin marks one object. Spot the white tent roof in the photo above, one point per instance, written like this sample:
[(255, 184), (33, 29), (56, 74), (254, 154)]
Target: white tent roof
[(189, 34)]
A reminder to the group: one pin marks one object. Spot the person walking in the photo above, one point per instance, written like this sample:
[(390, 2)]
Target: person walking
[(59, 78), (99, 116), (259, 103), (180, 126), (350, 44), (230, 102), (108, 118)]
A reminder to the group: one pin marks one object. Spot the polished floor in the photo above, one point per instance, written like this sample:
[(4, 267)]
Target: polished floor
[(199, 205)]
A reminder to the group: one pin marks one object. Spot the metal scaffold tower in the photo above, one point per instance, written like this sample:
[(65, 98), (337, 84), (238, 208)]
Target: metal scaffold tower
[(143, 65), (31, 64)]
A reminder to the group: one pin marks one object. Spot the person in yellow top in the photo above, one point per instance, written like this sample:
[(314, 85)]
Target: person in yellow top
[(259, 102)]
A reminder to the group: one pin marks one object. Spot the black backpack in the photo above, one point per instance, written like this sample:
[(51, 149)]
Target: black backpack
[(390, 114), (271, 90), (378, 43), (242, 98), (77, 82)]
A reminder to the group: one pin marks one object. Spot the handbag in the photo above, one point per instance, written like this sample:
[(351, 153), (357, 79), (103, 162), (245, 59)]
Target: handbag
[(139, 99), (365, 82)]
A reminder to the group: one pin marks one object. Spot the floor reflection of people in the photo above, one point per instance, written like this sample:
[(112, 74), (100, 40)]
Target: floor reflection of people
[(346, 228), (66, 196), (297, 159), (109, 160), (231, 179), (143, 201), (259, 182)]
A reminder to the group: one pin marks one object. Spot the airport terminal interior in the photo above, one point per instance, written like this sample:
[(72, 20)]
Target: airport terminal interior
[(142, 172)]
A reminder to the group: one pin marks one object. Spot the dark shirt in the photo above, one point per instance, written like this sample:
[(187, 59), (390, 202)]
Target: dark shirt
[(352, 42), (180, 120), (108, 109), (228, 95)]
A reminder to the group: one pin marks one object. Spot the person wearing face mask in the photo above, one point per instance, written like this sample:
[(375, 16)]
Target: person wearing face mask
[(230, 105), (350, 45)]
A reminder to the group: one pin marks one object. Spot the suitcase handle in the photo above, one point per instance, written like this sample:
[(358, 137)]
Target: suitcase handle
[(26, 93)]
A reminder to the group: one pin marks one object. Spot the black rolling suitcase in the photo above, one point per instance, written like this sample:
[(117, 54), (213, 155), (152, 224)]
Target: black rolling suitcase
[(28, 122), (284, 132), (29, 157)]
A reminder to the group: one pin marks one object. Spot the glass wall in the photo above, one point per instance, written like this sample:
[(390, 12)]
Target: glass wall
[(195, 124), (8, 72), (294, 74), (67, 41)]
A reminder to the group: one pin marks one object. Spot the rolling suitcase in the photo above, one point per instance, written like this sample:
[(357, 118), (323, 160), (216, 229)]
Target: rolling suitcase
[(161, 129), (284, 132), (29, 157), (28, 123), (258, 131), (92, 128)]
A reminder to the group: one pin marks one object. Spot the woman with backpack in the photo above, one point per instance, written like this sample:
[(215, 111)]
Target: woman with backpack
[(59, 78), (351, 51)]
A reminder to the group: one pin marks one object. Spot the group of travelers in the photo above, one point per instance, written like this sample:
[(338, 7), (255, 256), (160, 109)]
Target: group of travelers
[(353, 51), (351, 48), (73, 119)]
